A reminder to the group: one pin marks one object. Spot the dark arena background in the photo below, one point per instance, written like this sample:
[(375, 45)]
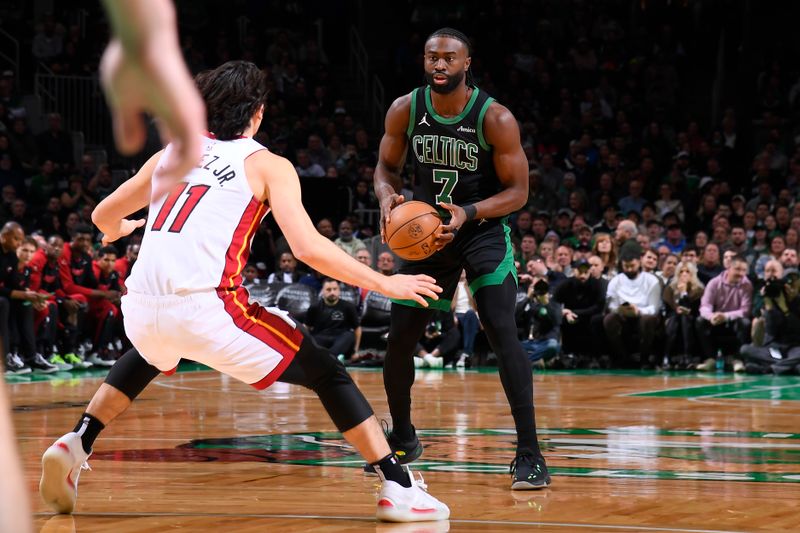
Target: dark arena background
[(656, 261)]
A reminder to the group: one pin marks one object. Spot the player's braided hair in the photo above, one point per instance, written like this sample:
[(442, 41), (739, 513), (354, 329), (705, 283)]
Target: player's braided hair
[(233, 92), (455, 34)]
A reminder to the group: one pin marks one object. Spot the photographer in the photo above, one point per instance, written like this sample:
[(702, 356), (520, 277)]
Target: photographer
[(682, 298), (542, 318), (439, 343), (781, 350)]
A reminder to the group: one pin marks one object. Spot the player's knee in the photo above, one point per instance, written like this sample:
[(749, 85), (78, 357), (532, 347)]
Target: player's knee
[(319, 365), (131, 374)]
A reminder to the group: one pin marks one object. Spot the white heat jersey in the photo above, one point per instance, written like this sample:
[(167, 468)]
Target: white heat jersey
[(198, 237)]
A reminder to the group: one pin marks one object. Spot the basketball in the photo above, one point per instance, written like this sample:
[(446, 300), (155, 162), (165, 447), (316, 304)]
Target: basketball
[(410, 231)]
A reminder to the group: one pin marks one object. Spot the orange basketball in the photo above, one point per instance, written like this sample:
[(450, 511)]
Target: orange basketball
[(410, 232)]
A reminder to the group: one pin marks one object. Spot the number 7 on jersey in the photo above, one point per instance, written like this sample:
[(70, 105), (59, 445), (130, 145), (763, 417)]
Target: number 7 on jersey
[(449, 178)]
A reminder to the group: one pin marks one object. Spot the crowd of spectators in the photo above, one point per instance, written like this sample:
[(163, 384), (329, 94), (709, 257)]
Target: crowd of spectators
[(651, 237)]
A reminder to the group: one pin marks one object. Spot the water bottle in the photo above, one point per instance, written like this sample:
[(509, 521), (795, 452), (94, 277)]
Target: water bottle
[(720, 362)]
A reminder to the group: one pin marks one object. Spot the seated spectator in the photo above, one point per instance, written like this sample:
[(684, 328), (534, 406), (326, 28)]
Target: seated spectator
[(668, 265), (56, 145), (386, 263), (564, 260), (363, 256), (333, 322), (69, 312), (439, 343), (634, 305), (105, 312), (79, 282), (306, 168), (44, 184), (674, 240), (689, 254), (527, 248), (725, 311), (682, 301), (541, 323), (625, 237), (789, 258), (347, 241), (583, 298), (606, 249), (536, 268), (466, 314), (739, 240), (250, 276), (76, 196), (287, 270), (634, 201), (49, 222), (17, 304), (649, 261), (21, 215), (780, 352), (710, 266), (101, 184), (667, 204), (124, 264)]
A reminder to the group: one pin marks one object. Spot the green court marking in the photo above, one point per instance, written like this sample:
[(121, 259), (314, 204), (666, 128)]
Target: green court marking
[(782, 388)]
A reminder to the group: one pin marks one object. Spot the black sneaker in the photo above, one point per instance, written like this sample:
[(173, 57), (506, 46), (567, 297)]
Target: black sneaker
[(529, 471), (406, 451), (14, 365), (40, 365)]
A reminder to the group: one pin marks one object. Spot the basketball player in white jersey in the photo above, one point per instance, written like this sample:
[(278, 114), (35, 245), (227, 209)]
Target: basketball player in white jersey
[(185, 298)]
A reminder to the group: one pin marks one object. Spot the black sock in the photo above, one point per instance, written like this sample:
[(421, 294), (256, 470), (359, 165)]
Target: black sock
[(88, 428), (390, 468)]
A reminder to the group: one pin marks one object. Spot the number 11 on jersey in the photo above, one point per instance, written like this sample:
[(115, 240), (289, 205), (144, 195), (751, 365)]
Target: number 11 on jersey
[(194, 194), (449, 178)]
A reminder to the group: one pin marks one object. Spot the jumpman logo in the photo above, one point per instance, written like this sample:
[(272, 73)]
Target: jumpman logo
[(424, 120)]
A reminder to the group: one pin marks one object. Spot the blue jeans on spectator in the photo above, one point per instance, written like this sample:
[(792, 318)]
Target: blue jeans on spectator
[(470, 325), (541, 349)]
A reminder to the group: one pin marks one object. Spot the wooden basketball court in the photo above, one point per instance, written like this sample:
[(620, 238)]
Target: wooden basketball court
[(627, 451)]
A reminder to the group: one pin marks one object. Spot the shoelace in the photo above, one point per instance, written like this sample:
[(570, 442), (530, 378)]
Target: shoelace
[(512, 467), (85, 466), (418, 482)]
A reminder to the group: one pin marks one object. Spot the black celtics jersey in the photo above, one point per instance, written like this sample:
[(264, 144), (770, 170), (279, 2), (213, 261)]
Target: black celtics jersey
[(453, 160)]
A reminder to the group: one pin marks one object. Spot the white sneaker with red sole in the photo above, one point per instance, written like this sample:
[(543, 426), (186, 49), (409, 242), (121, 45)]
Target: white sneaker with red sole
[(61, 466), (413, 504)]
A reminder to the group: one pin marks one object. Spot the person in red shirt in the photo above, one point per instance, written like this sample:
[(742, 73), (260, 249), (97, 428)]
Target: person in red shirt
[(68, 312), (123, 265), (77, 276), (105, 313)]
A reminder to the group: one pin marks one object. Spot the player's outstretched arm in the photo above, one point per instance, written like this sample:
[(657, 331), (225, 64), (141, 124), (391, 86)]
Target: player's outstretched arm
[(283, 190), (143, 71), (131, 196), (391, 156)]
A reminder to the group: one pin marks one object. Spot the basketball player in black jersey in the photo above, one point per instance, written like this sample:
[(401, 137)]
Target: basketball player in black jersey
[(469, 163)]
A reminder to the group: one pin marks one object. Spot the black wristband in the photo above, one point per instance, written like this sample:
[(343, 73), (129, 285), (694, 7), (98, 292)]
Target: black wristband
[(470, 210)]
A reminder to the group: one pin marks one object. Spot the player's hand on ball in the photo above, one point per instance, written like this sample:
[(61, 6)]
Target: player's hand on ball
[(387, 204), (417, 287), (125, 228), (448, 232)]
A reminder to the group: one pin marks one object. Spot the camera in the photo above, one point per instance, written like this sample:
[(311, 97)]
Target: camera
[(773, 288), (540, 288)]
